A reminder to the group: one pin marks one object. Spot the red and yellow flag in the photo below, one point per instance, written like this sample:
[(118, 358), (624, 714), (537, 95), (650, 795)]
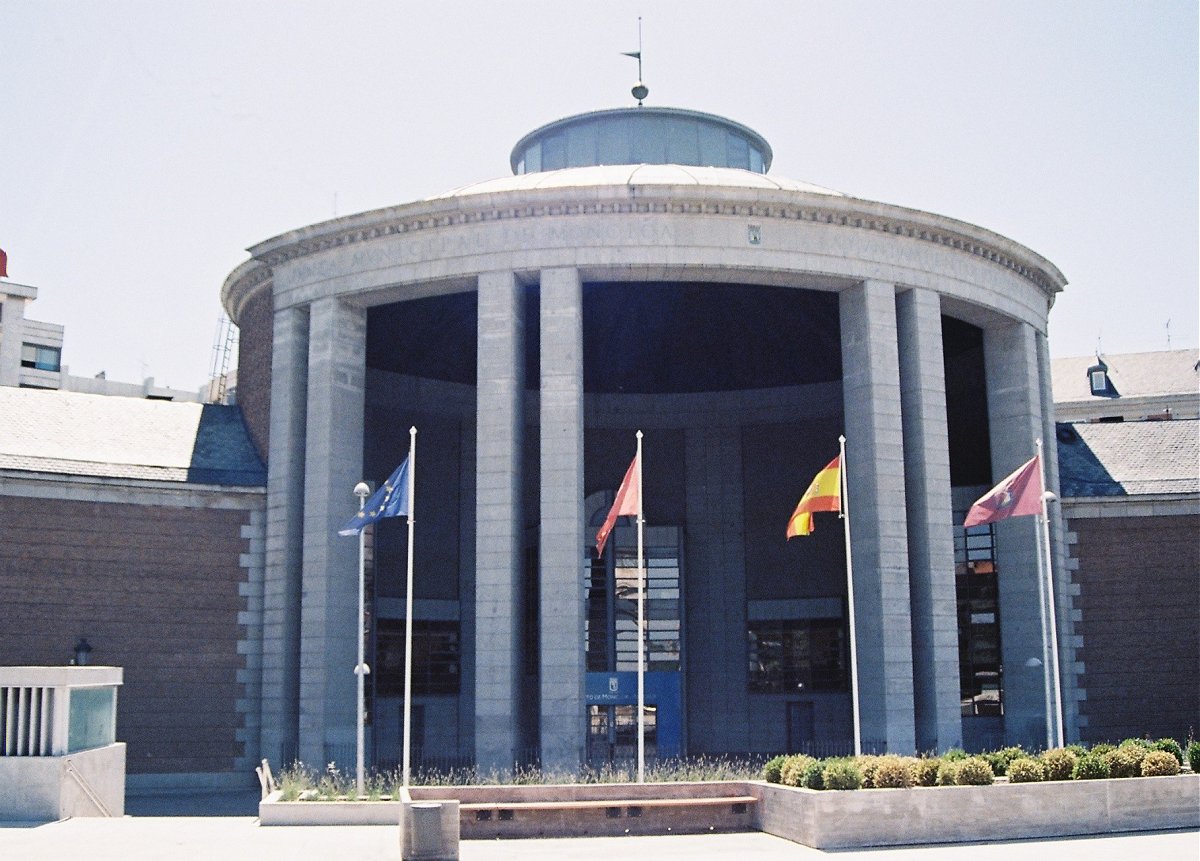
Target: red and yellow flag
[(824, 494)]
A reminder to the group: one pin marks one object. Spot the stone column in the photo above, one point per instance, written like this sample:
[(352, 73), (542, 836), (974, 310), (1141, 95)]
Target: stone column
[(1014, 423), (333, 465), (562, 539), (875, 476), (284, 537), (500, 431), (715, 622), (929, 521)]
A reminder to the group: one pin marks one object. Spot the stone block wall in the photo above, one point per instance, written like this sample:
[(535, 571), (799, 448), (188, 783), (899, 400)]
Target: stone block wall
[(154, 589), (1138, 625)]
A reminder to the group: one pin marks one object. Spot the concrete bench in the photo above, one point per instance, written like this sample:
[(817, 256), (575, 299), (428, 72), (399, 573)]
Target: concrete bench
[(606, 816)]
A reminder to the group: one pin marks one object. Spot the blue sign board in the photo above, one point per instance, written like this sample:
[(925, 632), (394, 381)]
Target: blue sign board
[(662, 691)]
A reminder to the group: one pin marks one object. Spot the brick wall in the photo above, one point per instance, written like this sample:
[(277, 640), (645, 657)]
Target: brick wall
[(1140, 625), (255, 339), (155, 590)]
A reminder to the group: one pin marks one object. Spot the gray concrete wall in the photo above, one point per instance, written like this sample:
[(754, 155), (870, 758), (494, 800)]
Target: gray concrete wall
[(562, 541), (929, 527), (875, 479), (284, 535), (499, 534), (333, 466), (714, 624), (1014, 423)]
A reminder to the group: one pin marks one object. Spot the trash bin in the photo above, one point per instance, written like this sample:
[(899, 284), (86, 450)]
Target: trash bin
[(425, 837)]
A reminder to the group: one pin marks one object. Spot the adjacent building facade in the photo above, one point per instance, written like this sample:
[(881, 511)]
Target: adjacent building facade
[(1129, 451), (641, 270)]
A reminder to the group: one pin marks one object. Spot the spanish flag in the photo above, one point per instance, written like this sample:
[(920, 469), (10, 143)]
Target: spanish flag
[(824, 494)]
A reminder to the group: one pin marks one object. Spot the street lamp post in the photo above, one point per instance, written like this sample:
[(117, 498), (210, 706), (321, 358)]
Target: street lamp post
[(362, 491)]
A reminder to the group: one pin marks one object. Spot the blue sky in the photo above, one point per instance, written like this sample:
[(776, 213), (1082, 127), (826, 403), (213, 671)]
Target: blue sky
[(145, 145)]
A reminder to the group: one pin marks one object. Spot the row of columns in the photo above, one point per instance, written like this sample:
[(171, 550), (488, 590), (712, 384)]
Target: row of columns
[(899, 487)]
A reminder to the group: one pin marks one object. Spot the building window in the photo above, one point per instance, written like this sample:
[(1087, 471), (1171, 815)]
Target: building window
[(797, 654), (41, 358), (611, 625), (436, 654), (981, 679)]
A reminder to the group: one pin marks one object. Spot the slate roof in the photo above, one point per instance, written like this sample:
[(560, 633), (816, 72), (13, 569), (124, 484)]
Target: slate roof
[(72, 433), (1167, 372), (1129, 458)]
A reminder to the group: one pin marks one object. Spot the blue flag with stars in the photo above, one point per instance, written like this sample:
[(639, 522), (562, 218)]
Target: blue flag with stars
[(390, 500)]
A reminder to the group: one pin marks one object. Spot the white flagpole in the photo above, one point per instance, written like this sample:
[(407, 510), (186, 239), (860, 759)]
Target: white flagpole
[(408, 609), (844, 513), (641, 703), (1041, 577), (1057, 683)]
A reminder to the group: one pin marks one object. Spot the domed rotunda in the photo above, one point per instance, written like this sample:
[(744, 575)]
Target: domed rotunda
[(642, 270)]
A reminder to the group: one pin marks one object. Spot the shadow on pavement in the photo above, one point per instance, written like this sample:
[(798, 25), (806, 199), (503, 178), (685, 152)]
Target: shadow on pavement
[(227, 803)]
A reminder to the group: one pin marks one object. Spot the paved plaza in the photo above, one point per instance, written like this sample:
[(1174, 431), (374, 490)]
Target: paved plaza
[(176, 829)]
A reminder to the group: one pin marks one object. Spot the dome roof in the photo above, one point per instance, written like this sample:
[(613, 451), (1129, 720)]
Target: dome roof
[(636, 175)]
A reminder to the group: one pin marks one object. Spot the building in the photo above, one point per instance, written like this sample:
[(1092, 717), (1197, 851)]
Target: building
[(1130, 470), (641, 270), (131, 535), (31, 356)]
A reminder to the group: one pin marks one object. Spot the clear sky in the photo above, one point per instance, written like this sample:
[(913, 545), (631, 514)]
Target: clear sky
[(145, 145)]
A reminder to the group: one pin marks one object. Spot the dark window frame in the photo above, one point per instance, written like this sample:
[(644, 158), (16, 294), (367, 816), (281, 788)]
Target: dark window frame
[(437, 658), (790, 655)]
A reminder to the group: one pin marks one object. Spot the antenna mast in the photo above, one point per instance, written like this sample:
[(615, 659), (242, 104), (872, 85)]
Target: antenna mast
[(640, 90)]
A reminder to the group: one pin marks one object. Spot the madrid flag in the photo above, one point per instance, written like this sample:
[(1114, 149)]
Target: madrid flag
[(1019, 494), (824, 494), (628, 501)]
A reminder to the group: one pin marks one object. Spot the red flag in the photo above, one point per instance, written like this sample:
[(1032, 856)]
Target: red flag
[(1017, 495), (628, 501), (3, 264)]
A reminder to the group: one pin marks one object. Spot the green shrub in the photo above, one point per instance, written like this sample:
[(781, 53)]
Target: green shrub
[(892, 772), (1126, 760), (974, 771), (1144, 744), (1060, 762), (842, 774), (947, 770), (1026, 770), (866, 766), (999, 760), (1193, 755), (925, 771), (1091, 766), (793, 769), (1159, 763), (1077, 749), (1170, 746), (770, 771), (814, 776), (954, 754), (1102, 748)]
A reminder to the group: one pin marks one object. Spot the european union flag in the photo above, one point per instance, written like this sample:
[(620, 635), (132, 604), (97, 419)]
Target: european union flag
[(390, 500)]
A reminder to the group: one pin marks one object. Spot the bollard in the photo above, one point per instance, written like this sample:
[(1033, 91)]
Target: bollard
[(429, 831)]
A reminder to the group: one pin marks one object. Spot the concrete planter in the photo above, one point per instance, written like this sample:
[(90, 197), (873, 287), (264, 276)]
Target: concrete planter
[(963, 814), (840, 820), (272, 811)]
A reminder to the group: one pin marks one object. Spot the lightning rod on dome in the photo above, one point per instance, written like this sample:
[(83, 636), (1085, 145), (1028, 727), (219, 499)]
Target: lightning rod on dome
[(640, 90)]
